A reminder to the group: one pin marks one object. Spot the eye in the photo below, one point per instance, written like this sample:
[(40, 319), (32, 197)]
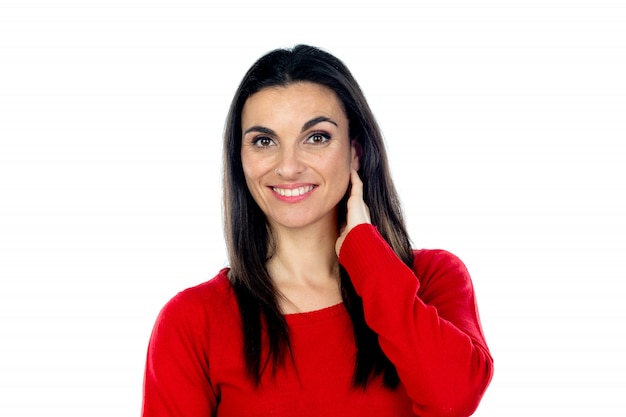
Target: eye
[(262, 142), (318, 138)]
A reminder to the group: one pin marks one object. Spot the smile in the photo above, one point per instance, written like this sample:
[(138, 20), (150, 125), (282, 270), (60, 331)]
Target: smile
[(296, 192)]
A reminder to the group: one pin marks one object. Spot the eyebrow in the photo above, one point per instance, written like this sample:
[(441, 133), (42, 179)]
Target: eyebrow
[(259, 129), (305, 126), (317, 120)]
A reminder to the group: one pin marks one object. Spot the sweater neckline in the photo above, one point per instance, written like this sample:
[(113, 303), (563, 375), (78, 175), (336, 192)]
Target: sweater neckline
[(316, 315)]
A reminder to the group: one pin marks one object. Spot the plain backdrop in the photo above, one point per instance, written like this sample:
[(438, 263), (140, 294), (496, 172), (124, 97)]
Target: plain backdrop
[(506, 129)]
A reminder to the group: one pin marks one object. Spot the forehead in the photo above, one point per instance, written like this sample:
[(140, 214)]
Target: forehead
[(302, 99)]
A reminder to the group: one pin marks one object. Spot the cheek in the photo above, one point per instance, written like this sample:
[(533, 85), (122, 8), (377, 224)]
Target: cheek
[(249, 172), (340, 170), (246, 169), (251, 166)]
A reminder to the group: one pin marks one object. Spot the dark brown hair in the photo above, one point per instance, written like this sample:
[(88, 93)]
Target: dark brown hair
[(247, 232)]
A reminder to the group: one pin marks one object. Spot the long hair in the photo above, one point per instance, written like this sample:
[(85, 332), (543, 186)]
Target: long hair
[(247, 232)]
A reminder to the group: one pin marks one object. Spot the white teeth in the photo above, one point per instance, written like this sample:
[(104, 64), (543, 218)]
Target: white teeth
[(293, 192)]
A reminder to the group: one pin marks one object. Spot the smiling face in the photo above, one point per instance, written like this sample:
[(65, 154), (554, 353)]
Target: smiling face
[(297, 154)]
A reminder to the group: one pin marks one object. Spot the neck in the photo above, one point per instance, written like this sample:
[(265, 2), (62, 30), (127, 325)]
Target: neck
[(305, 268), (302, 253)]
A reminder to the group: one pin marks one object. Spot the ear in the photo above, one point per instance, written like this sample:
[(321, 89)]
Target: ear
[(355, 154)]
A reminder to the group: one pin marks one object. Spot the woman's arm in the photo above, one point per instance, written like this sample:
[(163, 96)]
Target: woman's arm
[(428, 327), (431, 333)]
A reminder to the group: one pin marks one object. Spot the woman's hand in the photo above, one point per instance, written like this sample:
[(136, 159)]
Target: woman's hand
[(357, 210)]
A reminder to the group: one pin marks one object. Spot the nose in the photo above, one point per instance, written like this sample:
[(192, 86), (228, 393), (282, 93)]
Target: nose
[(290, 164)]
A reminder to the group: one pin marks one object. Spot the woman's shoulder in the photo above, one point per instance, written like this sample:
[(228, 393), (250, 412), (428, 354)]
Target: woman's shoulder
[(201, 301), (439, 270), (217, 286), (426, 259), (196, 326)]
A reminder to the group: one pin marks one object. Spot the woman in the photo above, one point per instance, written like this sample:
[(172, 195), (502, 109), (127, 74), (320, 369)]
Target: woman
[(325, 310)]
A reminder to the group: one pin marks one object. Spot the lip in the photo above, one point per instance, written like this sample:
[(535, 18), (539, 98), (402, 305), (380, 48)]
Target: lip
[(292, 193)]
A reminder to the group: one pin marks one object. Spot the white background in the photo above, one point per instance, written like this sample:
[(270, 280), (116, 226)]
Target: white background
[(506, 128)]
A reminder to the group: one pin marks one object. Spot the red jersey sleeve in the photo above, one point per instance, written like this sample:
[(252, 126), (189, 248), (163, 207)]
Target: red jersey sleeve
[(176, 381), (426, 320)]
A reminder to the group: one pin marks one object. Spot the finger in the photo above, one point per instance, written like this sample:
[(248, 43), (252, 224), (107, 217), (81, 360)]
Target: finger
[(358, 211), (357, 184)]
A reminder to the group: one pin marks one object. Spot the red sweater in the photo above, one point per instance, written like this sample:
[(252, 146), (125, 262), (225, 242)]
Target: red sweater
[(426, 319)]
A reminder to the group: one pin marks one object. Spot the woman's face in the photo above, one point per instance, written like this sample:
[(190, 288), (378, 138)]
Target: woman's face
[(296, 153)]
